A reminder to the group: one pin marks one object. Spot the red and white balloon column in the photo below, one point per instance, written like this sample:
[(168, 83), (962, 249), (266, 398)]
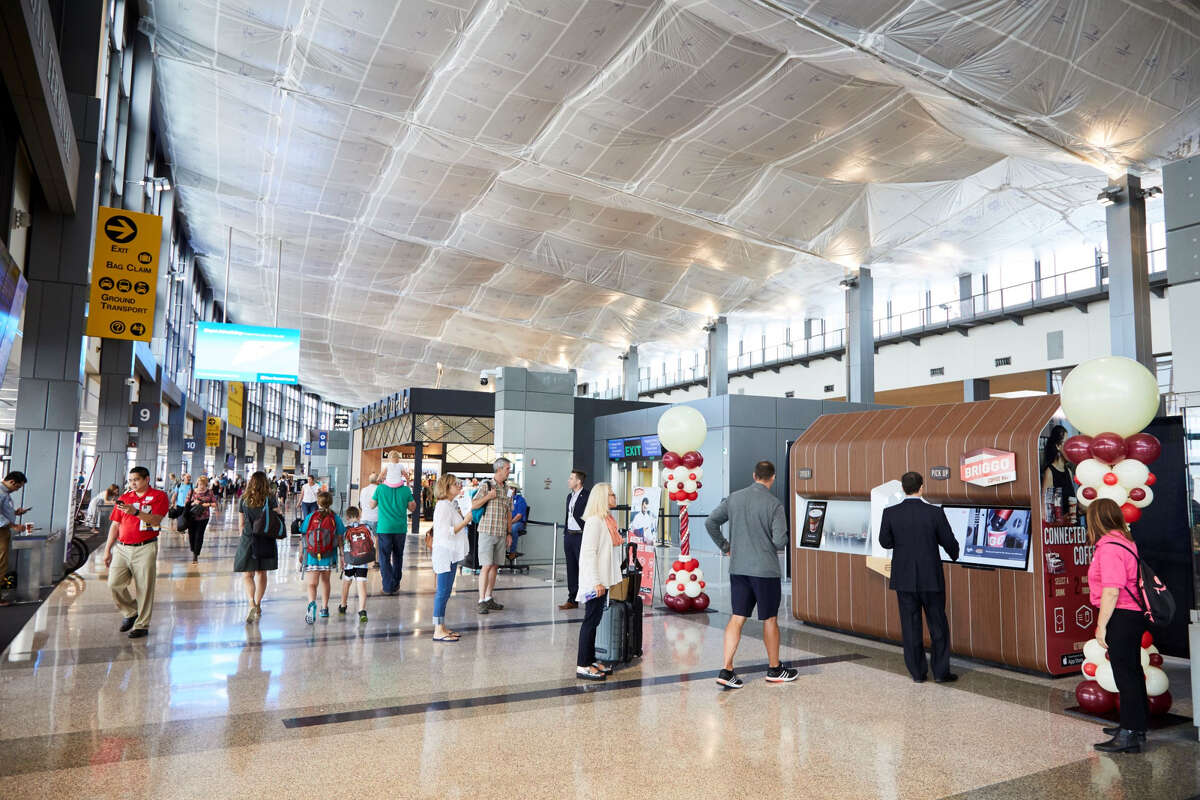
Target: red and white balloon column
[(1110, 400), (681, 432)]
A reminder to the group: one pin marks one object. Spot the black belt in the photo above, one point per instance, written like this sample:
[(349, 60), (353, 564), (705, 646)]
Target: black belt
[(139, 544), (577, 533)]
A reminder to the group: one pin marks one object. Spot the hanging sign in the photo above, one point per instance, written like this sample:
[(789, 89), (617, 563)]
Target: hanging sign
[(212, 432), (235, 401), (124, 275)]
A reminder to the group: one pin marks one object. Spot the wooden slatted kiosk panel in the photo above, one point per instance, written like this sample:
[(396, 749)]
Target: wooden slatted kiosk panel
[(996, 615)]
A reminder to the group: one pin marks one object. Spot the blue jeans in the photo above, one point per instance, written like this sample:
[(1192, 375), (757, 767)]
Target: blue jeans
[(391, 560), (516, 536), (308, 509), (445, 585)]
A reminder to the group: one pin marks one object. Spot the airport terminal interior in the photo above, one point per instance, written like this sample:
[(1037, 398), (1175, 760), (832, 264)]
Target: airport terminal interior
[(589, 398)]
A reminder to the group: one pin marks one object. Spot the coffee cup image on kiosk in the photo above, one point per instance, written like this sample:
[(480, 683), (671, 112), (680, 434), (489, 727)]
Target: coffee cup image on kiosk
[(814, 519), (1006, 529)]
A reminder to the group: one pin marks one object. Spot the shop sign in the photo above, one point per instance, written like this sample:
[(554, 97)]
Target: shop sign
[(641, 448), (988, 467), (341, 422), (124, 275), (939, 473), (804, 474)]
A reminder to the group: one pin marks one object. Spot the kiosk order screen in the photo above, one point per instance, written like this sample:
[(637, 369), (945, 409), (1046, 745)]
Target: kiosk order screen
[(990, 537)]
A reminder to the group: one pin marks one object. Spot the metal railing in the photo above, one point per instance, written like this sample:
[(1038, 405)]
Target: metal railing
[(1047, 293)]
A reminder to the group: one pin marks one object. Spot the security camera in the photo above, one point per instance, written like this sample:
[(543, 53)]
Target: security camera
[(483, 377), (131, 382)]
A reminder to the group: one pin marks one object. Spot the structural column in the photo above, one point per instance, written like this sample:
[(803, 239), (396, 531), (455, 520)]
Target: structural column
[(50, 387), (630, 373), (860, 338), (1128, 272), (418, 459), (718, 358), (176, 432), (976, 389)]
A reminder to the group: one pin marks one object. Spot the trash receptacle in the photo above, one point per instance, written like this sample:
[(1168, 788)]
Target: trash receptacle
[(36, 555)]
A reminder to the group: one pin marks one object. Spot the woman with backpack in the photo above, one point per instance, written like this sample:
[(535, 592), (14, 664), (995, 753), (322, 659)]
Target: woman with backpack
[(1121, 623), (323, 531), (256, 554)]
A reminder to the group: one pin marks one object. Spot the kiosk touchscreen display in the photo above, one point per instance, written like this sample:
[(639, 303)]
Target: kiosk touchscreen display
[(990, 537)]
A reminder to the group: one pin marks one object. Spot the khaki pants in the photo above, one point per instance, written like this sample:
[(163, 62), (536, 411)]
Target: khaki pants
[(139, 566), (5, 546)]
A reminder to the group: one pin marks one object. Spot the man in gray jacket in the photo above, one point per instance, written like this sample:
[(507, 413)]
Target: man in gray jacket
[(757, 531)]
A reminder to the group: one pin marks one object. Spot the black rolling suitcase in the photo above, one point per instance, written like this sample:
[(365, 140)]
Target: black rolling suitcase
[(472, 559), (619, 637)]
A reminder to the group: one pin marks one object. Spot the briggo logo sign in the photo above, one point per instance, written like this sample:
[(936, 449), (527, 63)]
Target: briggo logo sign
[(988, 467)]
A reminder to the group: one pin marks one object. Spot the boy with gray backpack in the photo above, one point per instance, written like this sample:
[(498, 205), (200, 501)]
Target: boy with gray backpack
[(358, 551)]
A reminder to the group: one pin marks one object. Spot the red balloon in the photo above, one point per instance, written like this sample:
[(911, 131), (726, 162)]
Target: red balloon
[(679, 484), (1131, 513), (699, 485), (692, 563), (1137, 494), (1156, 659), (692, 459), (671, 577), (1078, 448), (693, 577), (1110, 478), (692, 495), (1094, 698), (702, 585), (700, 602), (669, 601), (1151, 480), (1159, 704), (679, 587), (686, 603), (1077, 481), (1108, 447), (1088, 493), (1147, 639), (671, 460), (1143, 447), (1089, 669), (678, 565), (691, 476)]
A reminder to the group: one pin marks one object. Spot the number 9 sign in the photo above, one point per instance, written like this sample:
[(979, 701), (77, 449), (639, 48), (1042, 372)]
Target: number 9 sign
[(145, 414)]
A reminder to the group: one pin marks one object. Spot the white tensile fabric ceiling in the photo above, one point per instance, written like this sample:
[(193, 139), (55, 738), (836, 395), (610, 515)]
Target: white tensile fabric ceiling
[(543, 182)]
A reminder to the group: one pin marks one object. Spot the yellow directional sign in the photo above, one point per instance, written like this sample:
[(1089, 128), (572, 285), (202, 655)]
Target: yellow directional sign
[(124, 275), (235, 399), (212, 432)]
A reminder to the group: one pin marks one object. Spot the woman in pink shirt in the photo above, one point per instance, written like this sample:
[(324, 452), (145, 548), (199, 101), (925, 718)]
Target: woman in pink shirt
[(1112, 581)]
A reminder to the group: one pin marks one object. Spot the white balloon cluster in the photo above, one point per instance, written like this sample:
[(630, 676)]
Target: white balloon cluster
[(1098, 692), (1127, 481)]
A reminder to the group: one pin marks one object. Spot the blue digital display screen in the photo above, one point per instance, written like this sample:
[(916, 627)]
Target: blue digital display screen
[(247, 353), (641, 448)]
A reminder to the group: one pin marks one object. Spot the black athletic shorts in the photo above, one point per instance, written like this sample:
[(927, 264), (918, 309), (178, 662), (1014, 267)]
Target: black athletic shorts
[(746, 591)]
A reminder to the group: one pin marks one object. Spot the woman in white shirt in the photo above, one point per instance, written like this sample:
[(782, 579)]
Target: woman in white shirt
[(599, 568), (448, 547)]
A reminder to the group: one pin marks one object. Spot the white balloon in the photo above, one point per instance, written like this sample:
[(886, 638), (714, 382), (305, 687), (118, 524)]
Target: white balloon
[(699, 573), (1093, 651), (1145, 501), (1104, 676), (682, 576), (1130, 473), (682, 428), (1110, 394), (1091, 472), (1145, 658), (1156, 681), (697, 474), (671, 590), (692, 588), (689, 486), (1115, 493)]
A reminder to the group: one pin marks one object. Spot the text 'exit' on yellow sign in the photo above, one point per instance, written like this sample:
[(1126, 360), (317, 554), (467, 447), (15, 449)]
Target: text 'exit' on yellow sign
[(124, 275)]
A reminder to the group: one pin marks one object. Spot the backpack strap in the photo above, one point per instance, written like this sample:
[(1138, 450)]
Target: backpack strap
[(1138, 559)]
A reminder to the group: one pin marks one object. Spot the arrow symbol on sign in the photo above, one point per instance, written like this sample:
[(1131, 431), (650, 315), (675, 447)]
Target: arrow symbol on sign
[(120, 229)]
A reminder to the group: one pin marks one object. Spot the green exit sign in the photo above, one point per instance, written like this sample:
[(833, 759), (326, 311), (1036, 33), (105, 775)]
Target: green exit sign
[(633, 450)]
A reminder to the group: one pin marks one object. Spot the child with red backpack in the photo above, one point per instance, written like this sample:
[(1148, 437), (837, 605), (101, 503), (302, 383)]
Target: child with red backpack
[(358, 551), (322, 538)]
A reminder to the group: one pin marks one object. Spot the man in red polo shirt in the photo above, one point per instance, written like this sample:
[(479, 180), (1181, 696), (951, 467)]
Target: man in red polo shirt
[(131, 553)]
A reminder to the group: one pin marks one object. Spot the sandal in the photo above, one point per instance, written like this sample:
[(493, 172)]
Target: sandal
[(586, 674), (450, 637), (607, 670)]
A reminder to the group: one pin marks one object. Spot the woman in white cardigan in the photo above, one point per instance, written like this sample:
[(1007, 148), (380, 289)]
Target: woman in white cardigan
[(448, 547), (599, 568)]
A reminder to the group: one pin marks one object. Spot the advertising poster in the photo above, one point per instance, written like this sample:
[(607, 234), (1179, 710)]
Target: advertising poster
[(643, 529), (814, 523), (1070, 617)]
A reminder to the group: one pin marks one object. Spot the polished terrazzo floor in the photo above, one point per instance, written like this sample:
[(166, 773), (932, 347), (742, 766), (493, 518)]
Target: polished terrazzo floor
[(210, 707)]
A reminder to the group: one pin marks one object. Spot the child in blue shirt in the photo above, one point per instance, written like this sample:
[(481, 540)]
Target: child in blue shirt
[(323, 531)]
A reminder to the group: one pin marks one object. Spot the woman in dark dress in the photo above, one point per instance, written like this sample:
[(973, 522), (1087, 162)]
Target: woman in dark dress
[(256, 555), (1056, 471)]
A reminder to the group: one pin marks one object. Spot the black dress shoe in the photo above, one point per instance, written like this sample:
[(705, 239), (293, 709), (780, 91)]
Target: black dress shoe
[(1110, 730), (949, 677), (139, 633), (1125, 741), (127, 623), (919, 680)]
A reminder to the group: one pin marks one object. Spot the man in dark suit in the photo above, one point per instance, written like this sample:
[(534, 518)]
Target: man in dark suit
[(577, 500), (913, 530)]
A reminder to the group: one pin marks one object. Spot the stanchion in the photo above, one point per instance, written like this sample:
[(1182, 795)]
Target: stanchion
[(553, 558)]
